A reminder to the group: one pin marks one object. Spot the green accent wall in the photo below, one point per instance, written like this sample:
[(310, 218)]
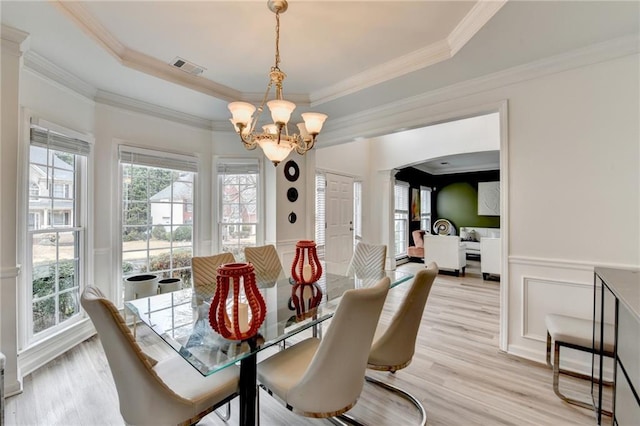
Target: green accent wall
[(458, 202)]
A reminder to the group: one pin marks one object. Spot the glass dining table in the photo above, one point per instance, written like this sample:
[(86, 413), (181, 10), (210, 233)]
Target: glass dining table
[(181, 319)]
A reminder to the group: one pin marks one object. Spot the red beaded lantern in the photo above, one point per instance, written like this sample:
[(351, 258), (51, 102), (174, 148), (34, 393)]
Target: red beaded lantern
[(306, 268), (231, 317), (305, 298)]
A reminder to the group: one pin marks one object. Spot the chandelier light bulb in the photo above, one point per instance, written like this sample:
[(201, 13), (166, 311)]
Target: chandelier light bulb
[(313, 121), (271, 129), (241, 113), (281, 110), (303, 131)]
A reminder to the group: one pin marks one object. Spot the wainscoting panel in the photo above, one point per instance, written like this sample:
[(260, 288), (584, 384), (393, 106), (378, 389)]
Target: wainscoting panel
[(538, 287), (544, 296)]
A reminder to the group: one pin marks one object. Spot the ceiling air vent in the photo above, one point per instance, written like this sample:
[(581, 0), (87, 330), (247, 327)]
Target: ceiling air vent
[(186, 66)]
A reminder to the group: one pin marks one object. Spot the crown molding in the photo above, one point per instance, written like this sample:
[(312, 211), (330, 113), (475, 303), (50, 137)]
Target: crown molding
[(87, 23), (473, 21), (439, 51), (42, 66), (139, 61), (13, 40), (461, 169), (432, 54), (422, 58), (410, 113), (130, 104)]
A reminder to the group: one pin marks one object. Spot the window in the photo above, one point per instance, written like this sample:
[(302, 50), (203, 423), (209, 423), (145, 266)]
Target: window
[(321, 222), (238, 216), (357, 212), (56, 230), (401, 222), (425, 208), (157, 212)]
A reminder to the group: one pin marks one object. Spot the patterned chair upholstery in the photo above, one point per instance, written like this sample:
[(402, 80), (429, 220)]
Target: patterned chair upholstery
[(266, 262), (367, 260), (204, 271)]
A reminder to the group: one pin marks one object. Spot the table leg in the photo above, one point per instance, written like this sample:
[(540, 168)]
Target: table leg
[(248, 390)]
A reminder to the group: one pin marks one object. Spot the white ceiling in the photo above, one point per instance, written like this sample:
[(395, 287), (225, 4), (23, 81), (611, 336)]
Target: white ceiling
[(341, 57), (462, 163)]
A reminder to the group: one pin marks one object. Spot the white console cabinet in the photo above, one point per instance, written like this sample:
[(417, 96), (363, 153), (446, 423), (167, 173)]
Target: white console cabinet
[(618, 290)]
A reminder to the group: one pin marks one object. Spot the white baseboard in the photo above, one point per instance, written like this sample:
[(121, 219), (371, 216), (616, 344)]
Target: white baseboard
[(567, 363), (38, 355)]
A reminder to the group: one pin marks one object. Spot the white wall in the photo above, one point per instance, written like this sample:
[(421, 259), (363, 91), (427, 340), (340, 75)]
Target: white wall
[(573, 164)]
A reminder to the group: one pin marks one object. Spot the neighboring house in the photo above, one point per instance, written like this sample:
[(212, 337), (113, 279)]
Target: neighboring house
[(181, 194), (50, 207)]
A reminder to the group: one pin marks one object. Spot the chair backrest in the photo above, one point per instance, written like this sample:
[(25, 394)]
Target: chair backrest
[(393, 349), (444, 250), (418, 237), (266, 263), (368, 259), (204, 271), (334, 379), (139, 387)]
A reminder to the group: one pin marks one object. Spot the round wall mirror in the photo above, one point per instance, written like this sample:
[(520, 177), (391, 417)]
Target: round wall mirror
[(292, 194), (291, 171)]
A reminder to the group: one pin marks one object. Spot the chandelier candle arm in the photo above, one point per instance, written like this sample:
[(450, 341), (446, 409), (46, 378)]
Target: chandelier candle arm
[(275, 140)]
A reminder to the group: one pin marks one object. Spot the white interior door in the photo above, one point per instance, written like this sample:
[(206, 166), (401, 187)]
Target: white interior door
[(339, 216)]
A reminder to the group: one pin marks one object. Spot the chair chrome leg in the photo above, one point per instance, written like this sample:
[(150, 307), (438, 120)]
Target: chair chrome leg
[(345, 419), (556, 381), (406, 395), (227, 415)]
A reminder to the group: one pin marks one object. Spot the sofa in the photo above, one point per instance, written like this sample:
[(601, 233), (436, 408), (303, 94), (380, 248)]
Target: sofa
[(471, 236), (446, 251), (490, 257)]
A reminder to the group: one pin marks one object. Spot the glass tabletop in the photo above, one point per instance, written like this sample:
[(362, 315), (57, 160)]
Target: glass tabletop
[(184, 325)]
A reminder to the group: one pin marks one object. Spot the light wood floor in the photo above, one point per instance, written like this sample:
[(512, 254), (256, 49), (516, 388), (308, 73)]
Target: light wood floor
[(457, 372)]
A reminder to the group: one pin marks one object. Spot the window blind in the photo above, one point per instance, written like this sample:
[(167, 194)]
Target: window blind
[(321, 189), (163, 160), (49, 139), (237, 166), (401, 196)]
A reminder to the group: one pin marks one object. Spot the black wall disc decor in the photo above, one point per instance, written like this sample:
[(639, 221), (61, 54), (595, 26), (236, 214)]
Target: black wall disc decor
[(292, 194), (291, 171), (292, 217)]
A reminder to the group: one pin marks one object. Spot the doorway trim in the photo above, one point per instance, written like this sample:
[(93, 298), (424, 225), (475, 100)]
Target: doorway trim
[(501, 107)]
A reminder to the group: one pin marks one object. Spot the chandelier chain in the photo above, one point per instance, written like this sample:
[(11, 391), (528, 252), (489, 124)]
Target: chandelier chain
[(277, 40)]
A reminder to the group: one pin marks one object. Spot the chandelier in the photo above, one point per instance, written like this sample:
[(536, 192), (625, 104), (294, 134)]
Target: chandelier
[(275, 139)]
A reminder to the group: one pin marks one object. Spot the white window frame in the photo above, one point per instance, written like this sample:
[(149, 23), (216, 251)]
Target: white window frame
[(221, 164), (73, 142), (425, 214), (357, 212), (401, 215), (320, 213), (158, 158)]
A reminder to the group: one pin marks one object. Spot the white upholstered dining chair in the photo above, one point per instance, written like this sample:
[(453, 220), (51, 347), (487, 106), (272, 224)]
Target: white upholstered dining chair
[(205, 272), (367, 260), (266, 263), (394, 345), (324, 378), (168, 392)]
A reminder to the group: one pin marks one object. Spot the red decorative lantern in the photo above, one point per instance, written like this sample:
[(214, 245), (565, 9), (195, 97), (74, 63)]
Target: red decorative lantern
[(306, 268), (305, 298), (232, 316)]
